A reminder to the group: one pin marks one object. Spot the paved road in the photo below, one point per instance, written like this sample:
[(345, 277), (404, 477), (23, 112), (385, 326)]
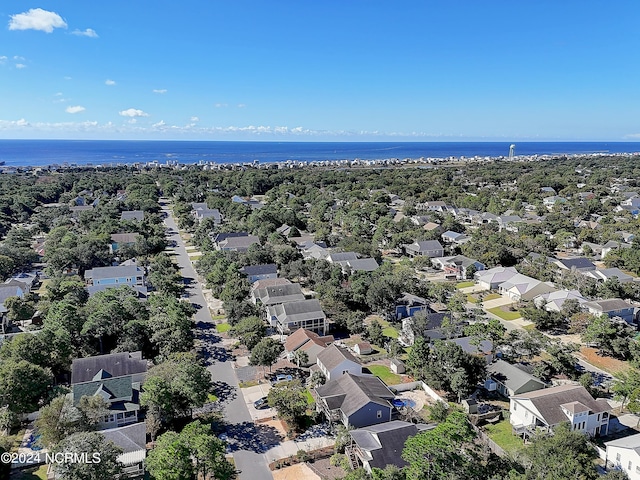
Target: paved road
[(248, 441)]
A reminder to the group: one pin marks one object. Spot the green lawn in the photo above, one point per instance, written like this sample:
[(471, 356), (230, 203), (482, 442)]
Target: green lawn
[(491, 296), (465, 284), (32, 473), (390, 332), (505, 315), (501, 433), (384, 374), (223, 327), (310, 400)]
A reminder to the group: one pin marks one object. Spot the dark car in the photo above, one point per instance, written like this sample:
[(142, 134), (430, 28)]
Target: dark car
[(261, 403)]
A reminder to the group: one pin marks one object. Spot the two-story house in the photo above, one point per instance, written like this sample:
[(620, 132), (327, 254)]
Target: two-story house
[(260, 272), (335, 361), (612, 307), (101, 278), (425, 248), (566, 403), (288, 317)]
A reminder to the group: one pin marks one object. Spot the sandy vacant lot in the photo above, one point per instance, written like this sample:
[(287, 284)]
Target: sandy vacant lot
[(299, 471)]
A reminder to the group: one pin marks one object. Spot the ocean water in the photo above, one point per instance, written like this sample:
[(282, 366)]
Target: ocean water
[(95, 152)]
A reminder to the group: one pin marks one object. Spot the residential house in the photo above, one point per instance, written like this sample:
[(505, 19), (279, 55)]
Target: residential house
[(132, 439), (604, 274), (508, 222), (552, 201), (217, 238), (7, 291), (408, 305), (288, 317), (132, 215), (596, 248), (434, 206), (309, 342), (119, 240), (315, 251), (355, 400), (359, 265), (112, 365), (509, 380), (278, 294), (553, 301), (252, 202), (238, 244), (432, 329), (260, 272), (624, 454), (120, 393), (454, 237), (284, 230), (613, 245), (458, 267), (335, 361), (100, 278), (612, 307), (551, 406), (470, 345), (341, 257), (377, 446), (270, 282), (521, 287), (580, 264), (425, 248), (201, 211), (490, 279)]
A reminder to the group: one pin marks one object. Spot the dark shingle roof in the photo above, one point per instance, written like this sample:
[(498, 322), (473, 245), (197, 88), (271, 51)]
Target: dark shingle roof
[(116, 364), (130, 438), (132, 215), (352, 392), (113, 272), (580, 263), (260, 269), (384, 442), (510, 375), (109, 388)]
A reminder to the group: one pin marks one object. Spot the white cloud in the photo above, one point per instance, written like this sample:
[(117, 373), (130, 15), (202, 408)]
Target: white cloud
[(67, 78), (220, 105), (160, 124), (20, 66), (160, 91), (242, 105), (133, 112), (109, 82), (58, 94), (75, 109), (37, 19), (89, 32), (18, 57), (195, 119), (3, 59)]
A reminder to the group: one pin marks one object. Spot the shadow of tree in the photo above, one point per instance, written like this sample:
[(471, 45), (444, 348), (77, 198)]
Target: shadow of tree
[(224, 391), (252, 437)]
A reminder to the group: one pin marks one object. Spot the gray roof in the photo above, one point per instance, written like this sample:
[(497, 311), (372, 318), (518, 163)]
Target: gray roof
[(384, 442), (334, 355), (219, 237), (352, 392), (363, 265), (260, 269), (99, 273), (609, 305), (132, 215), (239, 242), (631, 442), (116, 364), (425, 246), (510, 376), (124, 237), (467, 344), (580, 263), (279, 294), (270, 282), (343, 256), (141, 290), (7, 291), (297, 311), (130, 438), (549, 401)]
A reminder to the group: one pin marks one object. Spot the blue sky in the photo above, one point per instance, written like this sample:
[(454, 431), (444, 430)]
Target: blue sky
[(320, 70)]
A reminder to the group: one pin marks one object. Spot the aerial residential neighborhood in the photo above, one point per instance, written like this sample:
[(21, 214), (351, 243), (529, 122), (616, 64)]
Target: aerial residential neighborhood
[(313, 332)]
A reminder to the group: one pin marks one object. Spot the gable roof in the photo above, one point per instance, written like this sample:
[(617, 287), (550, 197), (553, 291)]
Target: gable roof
[(631, 442), (496, 274), (384, 441), (342, 256), (124, 237), (291, 292), (549, 402), (108, 388), (578, 263), (352, 392), (511, 376), (270, 282), (132, 215), (608, 305), (334, 355), (425, 246), (115, 364), (113, 272), (362, 264), (302, 336), (239, 242), (263, 269), (130, 438)]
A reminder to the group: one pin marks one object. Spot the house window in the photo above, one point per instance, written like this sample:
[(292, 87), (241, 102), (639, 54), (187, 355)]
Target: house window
[(526, 414), (598, 417), (515, 407), (637, 469), (617, 457), (379, 414), (629, 466)]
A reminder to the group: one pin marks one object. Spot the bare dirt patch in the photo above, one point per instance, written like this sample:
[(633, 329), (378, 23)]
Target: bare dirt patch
[(608, 364)]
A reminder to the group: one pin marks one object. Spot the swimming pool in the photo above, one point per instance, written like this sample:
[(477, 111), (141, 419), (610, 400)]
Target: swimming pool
[(403, 402)]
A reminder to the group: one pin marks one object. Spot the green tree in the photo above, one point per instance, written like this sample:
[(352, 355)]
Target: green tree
[(103, 464), (266, 352), (301, 357), (23, 385), (170, 459), (249, 331), (374, 333), (565, 454), (290, 401)]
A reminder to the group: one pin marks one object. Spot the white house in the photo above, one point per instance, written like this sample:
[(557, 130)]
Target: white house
[(624, 454), (335, 361), (490, 279), (552, 302), (552, 406), (520, 287)]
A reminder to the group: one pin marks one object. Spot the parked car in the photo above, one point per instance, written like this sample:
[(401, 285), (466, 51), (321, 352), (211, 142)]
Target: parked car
[(282, 378), (261, 403)]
